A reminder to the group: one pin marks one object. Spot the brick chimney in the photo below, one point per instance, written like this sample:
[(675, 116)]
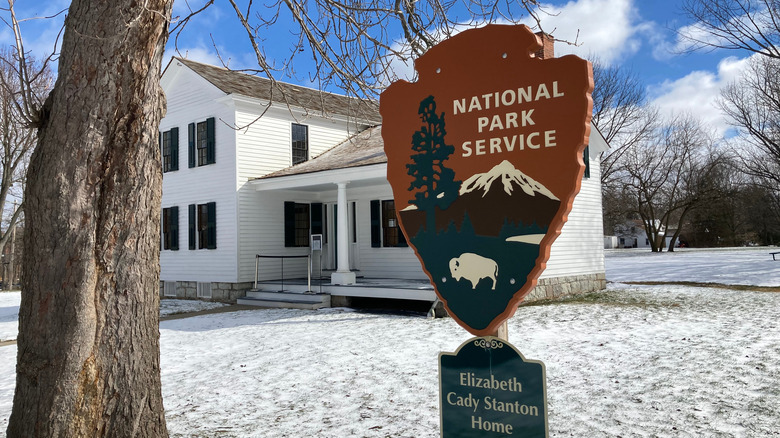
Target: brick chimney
[(548, 46)]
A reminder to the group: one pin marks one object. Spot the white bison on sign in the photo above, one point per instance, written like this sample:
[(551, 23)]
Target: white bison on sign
[(473, 267)]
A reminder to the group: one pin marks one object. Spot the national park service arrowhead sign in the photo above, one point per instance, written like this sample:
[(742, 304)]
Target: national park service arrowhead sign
[(484, 156)]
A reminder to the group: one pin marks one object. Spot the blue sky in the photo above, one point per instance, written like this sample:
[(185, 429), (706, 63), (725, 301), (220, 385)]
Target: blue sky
[(637, 35)]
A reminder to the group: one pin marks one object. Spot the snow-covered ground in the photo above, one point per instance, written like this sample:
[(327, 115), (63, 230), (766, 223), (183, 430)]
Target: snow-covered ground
[(9, 311), (743, 266), (173, 307), (632, 361), (9, 314)]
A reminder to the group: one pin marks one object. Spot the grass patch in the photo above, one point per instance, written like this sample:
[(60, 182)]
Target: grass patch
[(604, 298)]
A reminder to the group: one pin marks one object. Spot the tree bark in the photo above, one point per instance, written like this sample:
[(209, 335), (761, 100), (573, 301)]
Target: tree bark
[(89, 358)]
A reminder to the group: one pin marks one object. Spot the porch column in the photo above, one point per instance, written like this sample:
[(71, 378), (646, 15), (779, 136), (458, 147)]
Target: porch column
[(342, 275)]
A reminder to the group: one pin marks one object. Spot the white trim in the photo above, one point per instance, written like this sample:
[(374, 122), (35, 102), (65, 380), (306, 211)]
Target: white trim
[(324, 177)]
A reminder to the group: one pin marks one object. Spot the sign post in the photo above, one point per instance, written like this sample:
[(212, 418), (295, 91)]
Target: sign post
[(485, 156)]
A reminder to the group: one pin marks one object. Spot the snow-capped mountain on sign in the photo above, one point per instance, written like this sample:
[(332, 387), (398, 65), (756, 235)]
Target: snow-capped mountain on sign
[(509, 176)]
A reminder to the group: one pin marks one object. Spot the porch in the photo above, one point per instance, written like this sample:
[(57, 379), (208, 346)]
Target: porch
[(317, 292)]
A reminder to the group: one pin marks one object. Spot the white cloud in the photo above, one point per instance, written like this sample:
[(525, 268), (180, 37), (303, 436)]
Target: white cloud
[(697, 93), (199, 54), (609, 29), (39, 25)]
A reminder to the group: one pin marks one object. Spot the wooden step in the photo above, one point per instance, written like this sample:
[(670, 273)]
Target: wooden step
[(285, 300)]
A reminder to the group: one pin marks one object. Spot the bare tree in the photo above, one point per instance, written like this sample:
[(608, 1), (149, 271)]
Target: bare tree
[(752, 25), (669, 175), (88, 348), (352, 44), (620, 112), (17, 140), (752, 105)]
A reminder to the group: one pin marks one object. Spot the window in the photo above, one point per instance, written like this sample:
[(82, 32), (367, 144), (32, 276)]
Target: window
[(170, 228), (203, 226), (354, 222), (203, 290), (169, 288), (300, 143), (385, 230), (301, 225), (297, 220), (586, 159), (202, 144), (169, 142)]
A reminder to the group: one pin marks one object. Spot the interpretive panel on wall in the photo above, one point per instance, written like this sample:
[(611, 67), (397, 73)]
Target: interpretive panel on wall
[(488, 389), (485, 157)]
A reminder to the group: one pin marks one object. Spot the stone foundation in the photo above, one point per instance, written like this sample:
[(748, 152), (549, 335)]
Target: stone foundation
[(558, 287), (220, 292), (546, 289), (340, 301)]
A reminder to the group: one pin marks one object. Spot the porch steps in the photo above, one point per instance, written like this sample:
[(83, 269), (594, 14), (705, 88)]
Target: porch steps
[(286, 300)]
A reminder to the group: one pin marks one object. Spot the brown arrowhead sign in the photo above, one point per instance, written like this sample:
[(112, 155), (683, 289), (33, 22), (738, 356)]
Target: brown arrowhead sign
[(484, 155)]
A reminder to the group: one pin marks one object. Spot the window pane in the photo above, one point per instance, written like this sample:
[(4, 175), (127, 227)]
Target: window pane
[(391, 229), (166, 228), (300, 143), (202, 143), (301, 224), (203, 219), (389, 224), (166, 151)]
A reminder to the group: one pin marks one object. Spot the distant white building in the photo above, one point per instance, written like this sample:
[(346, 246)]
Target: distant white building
[(631, 234), (298, 167)]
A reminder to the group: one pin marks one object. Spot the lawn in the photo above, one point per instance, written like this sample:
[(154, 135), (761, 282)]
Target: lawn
[(631, 361)]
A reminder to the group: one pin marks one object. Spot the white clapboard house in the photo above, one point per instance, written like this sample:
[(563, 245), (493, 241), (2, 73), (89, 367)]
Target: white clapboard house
[(306, 163)]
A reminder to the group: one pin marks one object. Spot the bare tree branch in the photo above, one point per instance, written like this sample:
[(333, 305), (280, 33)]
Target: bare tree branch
[(734, 24)]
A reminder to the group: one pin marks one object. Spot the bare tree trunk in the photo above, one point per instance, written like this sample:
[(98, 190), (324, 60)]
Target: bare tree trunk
[(89, 359)]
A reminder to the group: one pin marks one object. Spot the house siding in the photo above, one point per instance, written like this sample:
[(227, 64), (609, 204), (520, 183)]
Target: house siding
[(579, 249), (263, 147), (200, 184)]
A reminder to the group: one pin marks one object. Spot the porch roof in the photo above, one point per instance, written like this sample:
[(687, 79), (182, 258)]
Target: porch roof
[(361, 160)]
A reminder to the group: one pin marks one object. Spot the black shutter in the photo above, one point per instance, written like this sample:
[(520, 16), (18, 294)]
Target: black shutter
[(316, 218), (376, 224), (175, 149), (191, 144), (211, 225), (162, 152), (289, 224), (210, 142), (174, 228), (586, 159), (192, 229)]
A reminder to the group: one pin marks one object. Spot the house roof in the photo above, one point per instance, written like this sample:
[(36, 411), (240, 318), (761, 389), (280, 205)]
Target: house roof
[(236, 82), (362, 149), (367, 147)]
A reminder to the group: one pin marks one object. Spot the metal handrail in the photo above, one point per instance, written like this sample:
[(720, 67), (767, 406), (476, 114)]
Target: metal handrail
[(308, 264)]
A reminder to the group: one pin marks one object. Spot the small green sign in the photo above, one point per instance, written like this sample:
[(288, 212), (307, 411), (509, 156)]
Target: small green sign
[(488, 389)]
